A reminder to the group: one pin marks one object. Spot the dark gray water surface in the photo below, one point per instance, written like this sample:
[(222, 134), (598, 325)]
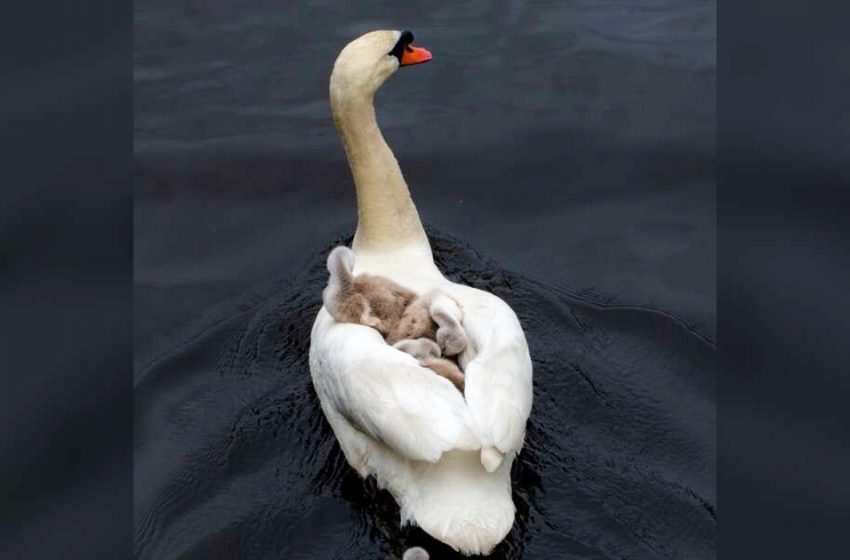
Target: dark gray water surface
[(562, 155)]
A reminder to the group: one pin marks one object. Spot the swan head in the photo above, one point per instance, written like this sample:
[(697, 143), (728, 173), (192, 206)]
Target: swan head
[(365, 63)]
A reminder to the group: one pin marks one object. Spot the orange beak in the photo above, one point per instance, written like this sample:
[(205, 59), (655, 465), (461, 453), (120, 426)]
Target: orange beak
[(414, 55)]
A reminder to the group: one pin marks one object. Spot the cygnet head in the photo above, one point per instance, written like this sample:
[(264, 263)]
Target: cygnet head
[(366, 62), (419, 348)]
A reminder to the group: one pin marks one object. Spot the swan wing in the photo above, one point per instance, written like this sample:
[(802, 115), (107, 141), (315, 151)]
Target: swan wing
[(499, 377), (386, 394)]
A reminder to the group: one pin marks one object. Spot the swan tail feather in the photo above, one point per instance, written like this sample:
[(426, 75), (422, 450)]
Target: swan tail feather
[(458, 504), (415, 553)]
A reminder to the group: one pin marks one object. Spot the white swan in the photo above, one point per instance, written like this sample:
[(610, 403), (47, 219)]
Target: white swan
[(445, 460)]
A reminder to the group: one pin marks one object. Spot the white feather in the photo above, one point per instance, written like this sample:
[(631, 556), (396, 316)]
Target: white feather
[(445, 459)]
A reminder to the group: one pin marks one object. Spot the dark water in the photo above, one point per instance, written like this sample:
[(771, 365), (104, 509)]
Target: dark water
[(562, 155), (234, 458)]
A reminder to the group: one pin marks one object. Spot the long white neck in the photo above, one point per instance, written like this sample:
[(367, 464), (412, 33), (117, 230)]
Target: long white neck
[(387, 217)]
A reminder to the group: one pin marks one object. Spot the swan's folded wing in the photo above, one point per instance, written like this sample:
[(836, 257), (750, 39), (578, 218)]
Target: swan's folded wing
[(386, 394), (499, 378)]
